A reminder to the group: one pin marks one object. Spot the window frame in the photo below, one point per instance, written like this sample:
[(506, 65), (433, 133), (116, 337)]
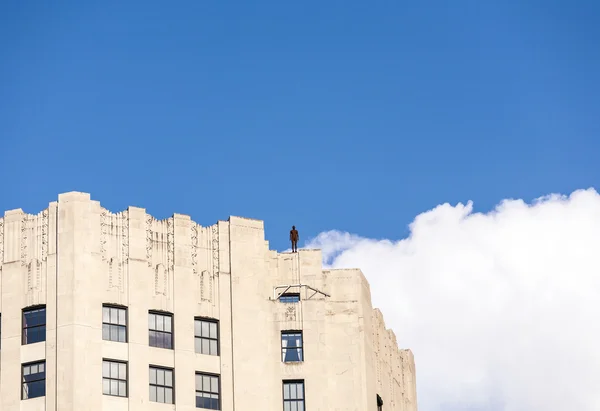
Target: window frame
[(303, 399), (284, 349), (172, 333), (172, 387), (218, 339), (126, 326), (24, 327), (289, 295), (28, 364), (379, 403), (208, 374), (110, 360)]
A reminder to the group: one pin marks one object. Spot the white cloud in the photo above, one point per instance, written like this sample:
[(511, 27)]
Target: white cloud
[(502, 310)]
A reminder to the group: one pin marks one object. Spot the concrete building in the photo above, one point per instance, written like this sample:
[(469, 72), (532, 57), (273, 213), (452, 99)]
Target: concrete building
[(124, 312)]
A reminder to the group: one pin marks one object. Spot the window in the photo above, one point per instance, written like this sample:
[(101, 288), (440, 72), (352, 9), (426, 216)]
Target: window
[(33, 380), (114, 378), (161, 385), (34, 325), (207, 336), (114, 323), (289, 297), (161, 330), (207, 391), (293, 396), (379, 403), (291, 346)]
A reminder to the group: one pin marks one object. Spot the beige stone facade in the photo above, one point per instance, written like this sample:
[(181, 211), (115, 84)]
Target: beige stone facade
[(124, 312)]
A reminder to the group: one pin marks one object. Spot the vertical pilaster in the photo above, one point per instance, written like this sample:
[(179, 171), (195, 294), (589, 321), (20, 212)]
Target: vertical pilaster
[(78, 346)]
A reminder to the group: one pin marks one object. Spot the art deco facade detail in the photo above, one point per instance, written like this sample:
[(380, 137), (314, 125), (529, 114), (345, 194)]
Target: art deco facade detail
[(125, 312)]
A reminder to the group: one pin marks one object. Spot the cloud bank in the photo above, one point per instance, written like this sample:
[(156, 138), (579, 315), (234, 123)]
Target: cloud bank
[(502, 309)]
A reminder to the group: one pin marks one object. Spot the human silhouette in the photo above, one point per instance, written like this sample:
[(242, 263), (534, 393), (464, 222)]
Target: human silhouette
[(294, 239)]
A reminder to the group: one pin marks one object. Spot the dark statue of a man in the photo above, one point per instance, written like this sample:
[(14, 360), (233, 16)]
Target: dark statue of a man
[(294, 239)]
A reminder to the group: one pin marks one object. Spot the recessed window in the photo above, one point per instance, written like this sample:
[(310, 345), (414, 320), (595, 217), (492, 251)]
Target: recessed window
[(161, 385), (114, 378), (114, 323), (289, 298), (293, 395), (34, 325), (379, 403), (160, 327), (34, 380), (291, 346), (207, 391), (207, 336)]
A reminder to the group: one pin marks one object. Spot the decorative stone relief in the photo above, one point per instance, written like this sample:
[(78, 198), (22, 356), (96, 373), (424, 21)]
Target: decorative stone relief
[(215, 249), (125, 235), (45, 228), (161, 278), (115, 275), (34, 237), (171, 245), (103, 232), (34, 275), (149, 234), (114, 236), (206, 286), (290, 313), (24, 229), (194, 248)]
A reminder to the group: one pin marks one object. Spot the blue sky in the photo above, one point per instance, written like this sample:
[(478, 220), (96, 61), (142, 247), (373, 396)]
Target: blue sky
[(343, 115)]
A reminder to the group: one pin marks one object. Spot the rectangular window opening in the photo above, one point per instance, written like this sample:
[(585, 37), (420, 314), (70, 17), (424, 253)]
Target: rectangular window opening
[(114, 323), (114, 378), (160, 326), (293, 395), (289, 297), (33, 381), (379, 403), (206, 334), (208, 391), (161, 385), (292, 346), (34, 325)]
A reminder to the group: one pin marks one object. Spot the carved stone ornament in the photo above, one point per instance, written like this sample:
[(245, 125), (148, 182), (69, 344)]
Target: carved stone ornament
[(149, 236), (24, 229), (290, 313), (125, 235), (103, 232), (45, 228), (170, 245), (215, 248), (194, 248)]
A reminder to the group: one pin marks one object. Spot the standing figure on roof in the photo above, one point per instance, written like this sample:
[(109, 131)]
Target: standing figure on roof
[(294, 239)]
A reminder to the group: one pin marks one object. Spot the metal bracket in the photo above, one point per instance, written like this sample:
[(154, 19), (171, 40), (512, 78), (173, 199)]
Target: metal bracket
[(286, 288)]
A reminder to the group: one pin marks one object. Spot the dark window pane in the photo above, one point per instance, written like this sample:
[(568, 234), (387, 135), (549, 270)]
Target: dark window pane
[(289, 298), (34, 389), (114, 333), (293, 354), (34, 335), (153, 339), (36, 317), (122, 334)]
